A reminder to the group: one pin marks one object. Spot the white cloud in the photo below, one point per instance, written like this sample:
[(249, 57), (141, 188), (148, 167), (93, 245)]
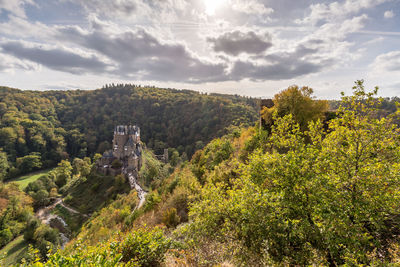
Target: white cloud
[(10, 64), (165, 41), (386, 63), (22, 28), (252, 7), (16, 7), (54, 57), (110, 8), (388, 14), (337, 10), (141, 55), (374, 41)]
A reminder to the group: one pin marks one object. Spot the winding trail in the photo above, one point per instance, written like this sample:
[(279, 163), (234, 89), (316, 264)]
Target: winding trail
[(44, 213), (134, 184), (72, 210), (45, 216)]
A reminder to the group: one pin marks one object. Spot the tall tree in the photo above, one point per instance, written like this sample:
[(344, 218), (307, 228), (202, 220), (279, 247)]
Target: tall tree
[(300, 103)]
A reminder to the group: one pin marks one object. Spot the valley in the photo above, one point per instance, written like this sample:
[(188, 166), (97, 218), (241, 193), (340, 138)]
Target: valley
[(256, 192)]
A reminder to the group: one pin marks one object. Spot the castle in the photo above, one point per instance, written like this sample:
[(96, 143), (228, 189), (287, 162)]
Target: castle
[(126, 153)]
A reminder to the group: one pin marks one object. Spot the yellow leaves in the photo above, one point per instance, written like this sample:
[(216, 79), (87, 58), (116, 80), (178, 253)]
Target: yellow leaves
[(267, 114)]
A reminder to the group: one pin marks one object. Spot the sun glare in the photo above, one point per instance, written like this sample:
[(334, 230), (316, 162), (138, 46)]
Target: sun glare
[(212, 6)]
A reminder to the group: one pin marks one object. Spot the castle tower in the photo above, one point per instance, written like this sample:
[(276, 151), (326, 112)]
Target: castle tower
[(120, 139), (126, 148)]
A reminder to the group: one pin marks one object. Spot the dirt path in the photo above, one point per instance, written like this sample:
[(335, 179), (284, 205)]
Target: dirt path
[(72, 210), (43, 213), (134, 184)]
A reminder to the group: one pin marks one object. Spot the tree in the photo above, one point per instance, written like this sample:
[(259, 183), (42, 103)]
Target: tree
[(63, 173), (298, 102), (30, 162), (41, 197), (316, 197), (81, 166), (30, 229), (4, 165), (5, 237), (174, 158)]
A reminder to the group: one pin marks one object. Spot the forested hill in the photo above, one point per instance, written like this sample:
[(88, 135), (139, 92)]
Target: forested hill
[(58, 124)]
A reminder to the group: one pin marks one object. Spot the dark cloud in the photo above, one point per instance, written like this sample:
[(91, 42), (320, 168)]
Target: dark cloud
[(140, 55), (55, 58), (279, 66), (237, 42), (277, 71)]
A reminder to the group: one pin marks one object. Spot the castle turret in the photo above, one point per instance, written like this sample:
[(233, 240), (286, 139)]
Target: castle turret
[(126, 148)]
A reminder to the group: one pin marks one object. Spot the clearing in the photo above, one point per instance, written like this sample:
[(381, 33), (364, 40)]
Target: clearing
[(24, 180), (14, 251)]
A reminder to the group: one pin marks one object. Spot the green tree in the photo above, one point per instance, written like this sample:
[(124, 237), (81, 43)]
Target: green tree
[(63, 173), (81, 166), (298, 102), (324, 198), (5, 237), (4, 165), (29, 163), (41, 197), (174, 158), (30, 229)]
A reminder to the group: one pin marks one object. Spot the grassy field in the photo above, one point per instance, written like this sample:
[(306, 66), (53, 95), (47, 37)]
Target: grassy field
[(24, 180), (14, 251)]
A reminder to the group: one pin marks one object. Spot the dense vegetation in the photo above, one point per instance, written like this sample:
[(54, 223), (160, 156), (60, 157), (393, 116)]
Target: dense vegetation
[(314, 188), (313, 197), (15, 211), (39, 129), (82, 189)]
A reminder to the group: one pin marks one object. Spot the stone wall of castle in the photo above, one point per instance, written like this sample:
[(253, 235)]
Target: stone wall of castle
[(126, 148)]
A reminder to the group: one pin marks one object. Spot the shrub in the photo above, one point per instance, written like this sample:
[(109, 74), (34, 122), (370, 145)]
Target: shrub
[(5, 236), (170, 218), (145, 248)]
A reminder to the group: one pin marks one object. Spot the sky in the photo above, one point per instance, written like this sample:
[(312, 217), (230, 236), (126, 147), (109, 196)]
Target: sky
[(254, 47)]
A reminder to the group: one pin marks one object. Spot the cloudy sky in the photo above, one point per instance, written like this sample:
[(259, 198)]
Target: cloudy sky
[(252, 47)]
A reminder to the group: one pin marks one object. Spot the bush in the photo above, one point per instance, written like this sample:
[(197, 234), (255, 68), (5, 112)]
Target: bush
[(145, 248), (5, 237), (170, 218)]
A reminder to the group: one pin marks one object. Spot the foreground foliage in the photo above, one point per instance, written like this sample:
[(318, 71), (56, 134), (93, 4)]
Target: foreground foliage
[(142, 247), (316, 197)]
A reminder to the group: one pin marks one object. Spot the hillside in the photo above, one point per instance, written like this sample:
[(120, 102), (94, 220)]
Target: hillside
[(327, 195), (38, 129), (306, 188)]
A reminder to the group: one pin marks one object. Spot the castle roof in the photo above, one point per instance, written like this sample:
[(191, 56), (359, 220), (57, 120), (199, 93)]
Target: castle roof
[(127, 129)]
